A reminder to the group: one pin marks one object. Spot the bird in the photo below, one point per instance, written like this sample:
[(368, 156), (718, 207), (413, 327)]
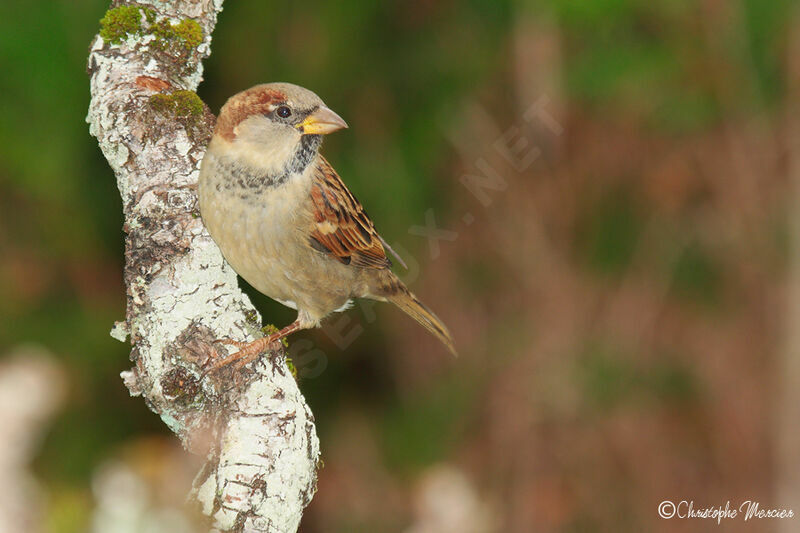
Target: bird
[(286, 222)]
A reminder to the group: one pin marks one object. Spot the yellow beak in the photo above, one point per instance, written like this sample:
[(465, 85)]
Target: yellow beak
[(321, 122)]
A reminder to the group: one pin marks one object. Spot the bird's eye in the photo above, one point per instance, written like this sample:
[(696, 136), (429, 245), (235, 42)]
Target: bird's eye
[(284, 111)]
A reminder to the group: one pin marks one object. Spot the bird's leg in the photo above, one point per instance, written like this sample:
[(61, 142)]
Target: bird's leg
[(250, 350)]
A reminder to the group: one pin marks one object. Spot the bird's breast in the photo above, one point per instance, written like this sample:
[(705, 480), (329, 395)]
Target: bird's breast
[(256, 227)]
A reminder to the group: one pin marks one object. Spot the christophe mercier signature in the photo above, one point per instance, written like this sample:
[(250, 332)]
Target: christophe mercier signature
[(747, 510)]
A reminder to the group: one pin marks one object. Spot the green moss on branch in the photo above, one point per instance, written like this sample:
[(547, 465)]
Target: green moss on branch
[(121, 22), (181, 104), (186, 34)]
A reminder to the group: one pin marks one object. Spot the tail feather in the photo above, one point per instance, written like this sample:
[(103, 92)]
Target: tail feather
[(405, 300)]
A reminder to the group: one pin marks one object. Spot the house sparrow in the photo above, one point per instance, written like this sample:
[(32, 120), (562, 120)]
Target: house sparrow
[(286, 222)]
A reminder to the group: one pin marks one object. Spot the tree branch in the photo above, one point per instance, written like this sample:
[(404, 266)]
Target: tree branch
[(257, 432)]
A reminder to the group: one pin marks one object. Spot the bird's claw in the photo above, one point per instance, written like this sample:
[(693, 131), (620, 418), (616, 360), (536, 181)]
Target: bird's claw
[(248, 351), (231, 342)]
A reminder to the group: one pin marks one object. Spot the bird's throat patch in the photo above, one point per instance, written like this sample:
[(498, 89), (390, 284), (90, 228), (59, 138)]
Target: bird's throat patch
[(236, 176)]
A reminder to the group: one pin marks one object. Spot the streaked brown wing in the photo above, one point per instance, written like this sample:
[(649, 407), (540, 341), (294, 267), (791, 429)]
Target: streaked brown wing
[(341, 227)]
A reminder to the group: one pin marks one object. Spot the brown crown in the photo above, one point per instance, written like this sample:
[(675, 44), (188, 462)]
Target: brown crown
[(254, 101)]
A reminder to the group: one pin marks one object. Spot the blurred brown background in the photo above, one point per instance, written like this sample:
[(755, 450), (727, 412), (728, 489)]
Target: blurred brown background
[(611, 186)]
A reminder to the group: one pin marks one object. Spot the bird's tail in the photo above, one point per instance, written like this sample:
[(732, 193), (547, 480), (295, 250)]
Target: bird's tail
[(398, 294)]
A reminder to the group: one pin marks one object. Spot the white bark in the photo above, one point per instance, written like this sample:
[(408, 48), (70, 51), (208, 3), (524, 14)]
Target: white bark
[(253, 425)]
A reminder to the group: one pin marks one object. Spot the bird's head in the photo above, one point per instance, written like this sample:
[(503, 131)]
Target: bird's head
[(274, 121)]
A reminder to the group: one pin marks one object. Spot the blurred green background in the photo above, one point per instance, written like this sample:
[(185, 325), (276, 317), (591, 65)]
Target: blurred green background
[(619, 307)]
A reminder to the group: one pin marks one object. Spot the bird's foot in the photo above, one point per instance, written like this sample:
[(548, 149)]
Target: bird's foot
[(248, 351), (231, 342)]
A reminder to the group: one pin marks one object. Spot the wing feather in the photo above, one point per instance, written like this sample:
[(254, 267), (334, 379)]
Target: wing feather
[(341, 227)]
